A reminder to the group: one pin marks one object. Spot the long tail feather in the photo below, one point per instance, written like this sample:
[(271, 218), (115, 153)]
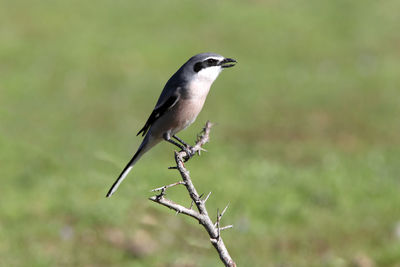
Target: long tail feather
[(125, 171)]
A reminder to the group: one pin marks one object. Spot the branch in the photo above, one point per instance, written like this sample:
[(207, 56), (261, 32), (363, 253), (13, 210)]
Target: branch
[(201, 215)]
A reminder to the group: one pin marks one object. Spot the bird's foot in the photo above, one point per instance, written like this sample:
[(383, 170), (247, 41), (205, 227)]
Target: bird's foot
[(189, 152), (185, 147)]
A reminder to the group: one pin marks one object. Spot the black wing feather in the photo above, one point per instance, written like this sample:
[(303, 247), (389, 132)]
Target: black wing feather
[(158, 112)]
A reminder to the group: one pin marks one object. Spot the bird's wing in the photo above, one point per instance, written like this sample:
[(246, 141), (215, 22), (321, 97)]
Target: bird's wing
[(158, 111)]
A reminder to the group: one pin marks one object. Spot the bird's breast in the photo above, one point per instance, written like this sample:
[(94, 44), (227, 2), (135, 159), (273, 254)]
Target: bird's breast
[(185, 113), (198, 89)]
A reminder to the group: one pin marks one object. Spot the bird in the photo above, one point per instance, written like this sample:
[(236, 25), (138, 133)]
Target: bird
[(177, 107)]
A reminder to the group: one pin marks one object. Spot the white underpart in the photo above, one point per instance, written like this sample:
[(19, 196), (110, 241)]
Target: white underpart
[(209, 74), (202, 81), (199, 88)]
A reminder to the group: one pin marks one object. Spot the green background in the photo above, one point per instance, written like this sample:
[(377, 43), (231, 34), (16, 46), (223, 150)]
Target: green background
[(306, 147)]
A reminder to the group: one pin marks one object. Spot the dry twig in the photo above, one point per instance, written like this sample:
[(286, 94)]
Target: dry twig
[(201, 215)]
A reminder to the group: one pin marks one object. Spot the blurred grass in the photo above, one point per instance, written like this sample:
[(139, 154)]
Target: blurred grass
[(306, 147)]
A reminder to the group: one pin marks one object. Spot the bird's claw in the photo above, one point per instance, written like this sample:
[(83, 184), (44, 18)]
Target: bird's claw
[(189, 153)]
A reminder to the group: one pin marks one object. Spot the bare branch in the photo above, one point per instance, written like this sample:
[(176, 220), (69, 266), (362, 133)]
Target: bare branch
[(218, 229), (201, 215), (199, 151), (205, 200), (220, 215), (172, 168), (226, 227), (176, 207), (163, 188)]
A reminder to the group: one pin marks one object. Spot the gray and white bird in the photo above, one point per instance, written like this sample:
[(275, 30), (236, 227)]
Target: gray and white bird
[(178, 105)]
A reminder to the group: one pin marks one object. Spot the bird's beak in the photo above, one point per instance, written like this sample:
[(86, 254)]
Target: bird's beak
[(227, 63)]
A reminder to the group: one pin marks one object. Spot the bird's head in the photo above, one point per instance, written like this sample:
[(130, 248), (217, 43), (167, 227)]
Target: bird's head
[(207, 66)]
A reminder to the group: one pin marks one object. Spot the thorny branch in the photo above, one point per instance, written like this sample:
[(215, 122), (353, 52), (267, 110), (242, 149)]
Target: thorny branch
[(201, 215)]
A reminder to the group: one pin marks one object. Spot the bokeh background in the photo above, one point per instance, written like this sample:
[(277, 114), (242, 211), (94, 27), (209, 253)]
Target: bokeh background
[(306, 147)]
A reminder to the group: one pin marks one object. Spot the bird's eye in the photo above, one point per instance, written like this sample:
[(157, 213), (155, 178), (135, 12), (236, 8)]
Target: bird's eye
[(211, 62)]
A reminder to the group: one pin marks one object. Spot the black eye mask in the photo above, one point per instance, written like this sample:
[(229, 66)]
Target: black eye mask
[(198, 66), (204, 64)]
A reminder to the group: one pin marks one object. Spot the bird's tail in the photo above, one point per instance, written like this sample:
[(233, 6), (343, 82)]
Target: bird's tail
[(143, 148)]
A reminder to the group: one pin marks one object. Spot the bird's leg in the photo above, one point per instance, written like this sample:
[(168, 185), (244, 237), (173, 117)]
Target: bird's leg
[(167, 137), (188, 148), (169, 140), (181, 141)]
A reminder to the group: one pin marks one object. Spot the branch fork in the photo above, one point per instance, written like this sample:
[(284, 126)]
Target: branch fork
[(201, 214)]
